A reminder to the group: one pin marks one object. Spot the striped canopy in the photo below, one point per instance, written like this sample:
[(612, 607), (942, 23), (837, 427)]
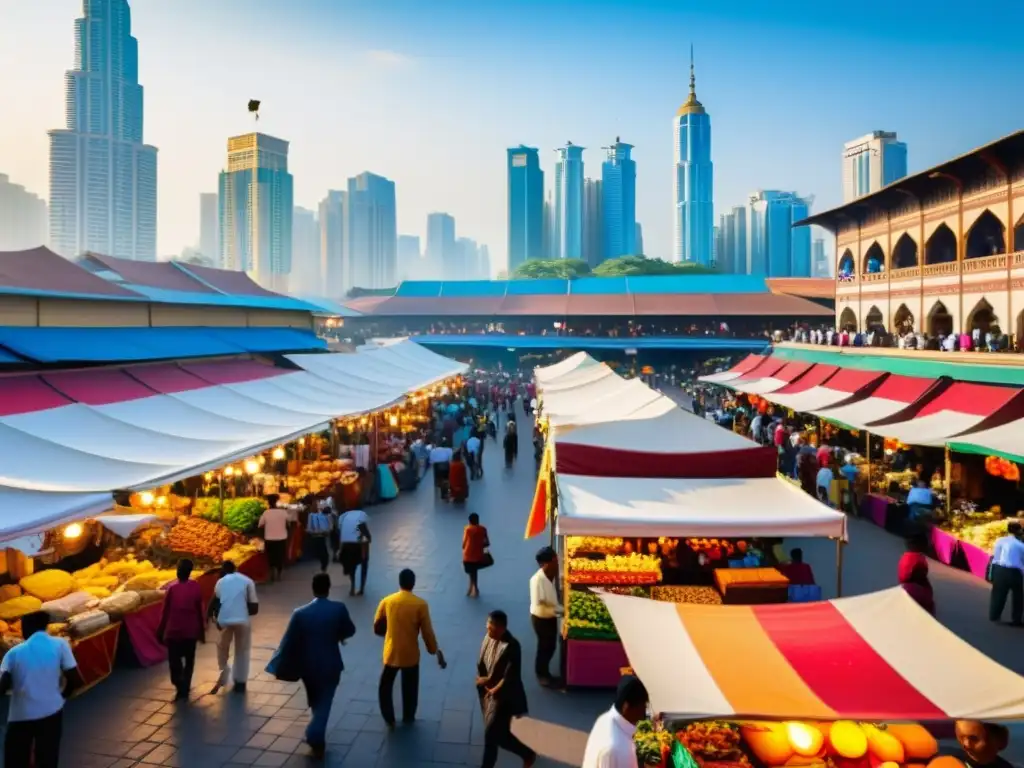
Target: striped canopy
[(876, 657)]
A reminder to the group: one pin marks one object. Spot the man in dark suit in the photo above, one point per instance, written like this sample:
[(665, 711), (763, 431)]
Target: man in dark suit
[(311, 647), (499, 685)]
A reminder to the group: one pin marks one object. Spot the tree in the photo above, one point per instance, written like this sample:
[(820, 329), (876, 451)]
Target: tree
[(564, 269), (642, 265)]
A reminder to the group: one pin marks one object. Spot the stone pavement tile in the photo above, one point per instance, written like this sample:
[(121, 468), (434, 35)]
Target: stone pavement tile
[(285, 744)]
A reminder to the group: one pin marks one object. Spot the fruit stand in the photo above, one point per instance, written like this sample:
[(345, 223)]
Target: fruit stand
[(743, 687)]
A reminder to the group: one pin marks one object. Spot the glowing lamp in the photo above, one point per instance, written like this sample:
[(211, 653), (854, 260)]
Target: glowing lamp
[(277, 454), (161, 501), (251, 467), (73, 531), (208, 476), (146, 498), (393, 420), (229, 471)]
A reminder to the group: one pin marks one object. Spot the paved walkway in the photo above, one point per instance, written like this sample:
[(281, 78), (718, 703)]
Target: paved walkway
[(130, 719)]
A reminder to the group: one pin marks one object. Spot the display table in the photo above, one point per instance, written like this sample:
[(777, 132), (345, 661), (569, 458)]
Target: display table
[(875, 507), (751, 586), (594, 663), (256, 568), (141, 648), (976, 558), (944, 545), (296, 540), (95, 655)]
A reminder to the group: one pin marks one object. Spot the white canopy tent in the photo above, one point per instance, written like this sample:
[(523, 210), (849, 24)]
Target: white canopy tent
[(549, 373), (652, 507), (578, 378), (32, 512)]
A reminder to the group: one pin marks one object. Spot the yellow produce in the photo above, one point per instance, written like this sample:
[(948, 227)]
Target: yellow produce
[(119, 567), (84, 574), (57, 630), (805, 738), (107, 582), (99, 592), (918, 743), (883, 745), (4, 627), (144, 581), (848, 739), (17, 607), (9, 591), (632, 563), (49, 585)]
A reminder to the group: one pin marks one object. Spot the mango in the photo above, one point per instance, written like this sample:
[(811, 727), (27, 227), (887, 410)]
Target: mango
[(768, 741), (848, 739), (918, 743), (884, 745)]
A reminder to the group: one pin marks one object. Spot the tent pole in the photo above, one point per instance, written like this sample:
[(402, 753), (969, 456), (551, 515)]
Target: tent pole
[(867, 455), (839, 567), (949, 486)]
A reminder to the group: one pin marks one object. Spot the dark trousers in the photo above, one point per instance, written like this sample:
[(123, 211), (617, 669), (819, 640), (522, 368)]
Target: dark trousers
[(1006, 581), (361, 566), (318, 544), (38, 739), (181, 657), (498, 735), (547, 643), (320, 697), (410, 692)]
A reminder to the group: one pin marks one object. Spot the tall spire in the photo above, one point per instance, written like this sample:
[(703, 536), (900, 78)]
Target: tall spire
[(691, 105)]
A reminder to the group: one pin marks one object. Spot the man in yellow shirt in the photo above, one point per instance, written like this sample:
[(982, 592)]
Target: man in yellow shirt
[(400, 619)]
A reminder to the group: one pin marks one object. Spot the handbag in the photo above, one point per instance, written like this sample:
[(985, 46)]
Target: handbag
[(380, 627), (487, 562)]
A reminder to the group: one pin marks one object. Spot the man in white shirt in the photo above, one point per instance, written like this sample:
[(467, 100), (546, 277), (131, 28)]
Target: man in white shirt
[(824, 482), (1008, 575), (234, 601), (473, 445), (354, 532), (32, 672), (544, 612), (610, 744)]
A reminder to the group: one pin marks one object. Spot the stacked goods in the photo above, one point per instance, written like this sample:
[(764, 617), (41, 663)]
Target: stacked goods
[(588, 618), (48, 585), (596, 544), (207, 507), (793, 744), (697, 595), (239, 553), (718, 549), (319, 476), (116, 606), (652, 746), (84, 624), (201, 538), (69, 605), (17, 607), (240, 515), (615, 569)]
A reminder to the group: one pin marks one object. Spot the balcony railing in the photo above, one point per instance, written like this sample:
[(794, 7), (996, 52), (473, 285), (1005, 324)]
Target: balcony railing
[(949, 268), (905, 273), (985, 263), (1018, 259), (874, 277)]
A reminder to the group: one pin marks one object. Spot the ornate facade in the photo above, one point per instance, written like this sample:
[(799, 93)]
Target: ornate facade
[(938, 251)]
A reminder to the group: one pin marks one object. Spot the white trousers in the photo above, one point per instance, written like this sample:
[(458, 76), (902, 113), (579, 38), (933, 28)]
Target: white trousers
[(241, 636)]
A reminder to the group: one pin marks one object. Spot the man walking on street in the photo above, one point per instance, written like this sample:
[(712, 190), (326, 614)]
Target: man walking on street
[(32, 672), (1008, 575), (499, 685), (311, 646), (401, 619), (234, 602), (544, 613), (182, 625)]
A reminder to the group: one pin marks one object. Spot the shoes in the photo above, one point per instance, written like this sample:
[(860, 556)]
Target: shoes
[(239, 688)]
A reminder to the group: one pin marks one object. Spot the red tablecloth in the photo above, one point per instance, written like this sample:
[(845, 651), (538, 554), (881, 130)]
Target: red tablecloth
[(256, 568), (594, 663), (875, 508), (295, 544), (945, 545), (95, 655), (141, 626)]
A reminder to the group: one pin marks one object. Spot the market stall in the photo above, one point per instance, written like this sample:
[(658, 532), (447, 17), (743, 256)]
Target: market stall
[(660, 539)]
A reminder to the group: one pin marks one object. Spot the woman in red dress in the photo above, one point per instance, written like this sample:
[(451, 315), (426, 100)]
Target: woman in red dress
[(458, 479)]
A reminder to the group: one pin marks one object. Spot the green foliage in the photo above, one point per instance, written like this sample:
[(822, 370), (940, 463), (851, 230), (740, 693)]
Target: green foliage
[(641, 265), (564, 269), (242, 515)]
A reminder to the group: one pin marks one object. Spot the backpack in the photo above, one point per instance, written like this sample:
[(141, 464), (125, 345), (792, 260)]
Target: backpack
[(318, 524)]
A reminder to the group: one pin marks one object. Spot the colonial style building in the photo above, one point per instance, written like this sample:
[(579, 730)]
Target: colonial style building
[(937, 251)]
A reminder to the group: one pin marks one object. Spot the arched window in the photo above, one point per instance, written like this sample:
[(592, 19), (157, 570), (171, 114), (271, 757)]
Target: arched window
[(982, 317), (986, 237), (847, 268), (904, 255), (941, 246), (874, 321), (940, 322), (874, 259), (848, 320), (903, 320)]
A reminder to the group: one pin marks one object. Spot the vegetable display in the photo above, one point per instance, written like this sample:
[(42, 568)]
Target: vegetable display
[(615, 569), (588, 618), (652, 746), (195, 536), (242, 515)]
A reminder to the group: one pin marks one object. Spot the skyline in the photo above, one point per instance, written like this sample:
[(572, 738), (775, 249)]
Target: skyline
[(395, 59)]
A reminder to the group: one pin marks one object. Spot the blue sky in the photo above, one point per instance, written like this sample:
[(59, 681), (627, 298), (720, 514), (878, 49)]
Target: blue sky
[(431, 92)]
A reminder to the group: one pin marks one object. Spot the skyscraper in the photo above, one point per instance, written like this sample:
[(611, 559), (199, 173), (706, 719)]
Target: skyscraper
[(819, 259), (775, 248), (525, 207), (22, 217), (714, 246), (694, 182), (466, 263), (410, 258), (441, 254), (568, 224), (209, 227), (639, 238), (549, 250), (333, 268), (256, 210), (871, 162), (102, 177), (618, 182), (306, 276), (593, 222), (371, 232)]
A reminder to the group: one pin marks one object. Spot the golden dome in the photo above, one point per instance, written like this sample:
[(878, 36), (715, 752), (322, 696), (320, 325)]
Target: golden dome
[(691, 106)]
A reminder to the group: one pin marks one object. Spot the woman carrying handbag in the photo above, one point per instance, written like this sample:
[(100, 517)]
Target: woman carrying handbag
[(475, 556)]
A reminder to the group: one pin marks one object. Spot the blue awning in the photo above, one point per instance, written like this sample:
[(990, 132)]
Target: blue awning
[(7, 358), (96, 345)]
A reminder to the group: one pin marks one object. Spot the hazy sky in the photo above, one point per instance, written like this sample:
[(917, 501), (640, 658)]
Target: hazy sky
[(431, 92)]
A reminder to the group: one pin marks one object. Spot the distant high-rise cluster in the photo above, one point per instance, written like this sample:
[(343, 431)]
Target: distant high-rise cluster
[(102, 175), (871, 162), (759, 238), (618, 207), (525, 207), (22, 217)]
